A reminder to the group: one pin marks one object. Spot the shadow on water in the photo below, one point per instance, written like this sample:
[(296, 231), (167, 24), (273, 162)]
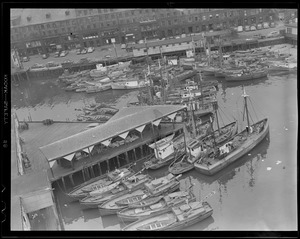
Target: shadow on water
[(232, 84)]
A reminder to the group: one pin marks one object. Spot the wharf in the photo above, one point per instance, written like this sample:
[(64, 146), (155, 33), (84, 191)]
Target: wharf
[(29, 193)]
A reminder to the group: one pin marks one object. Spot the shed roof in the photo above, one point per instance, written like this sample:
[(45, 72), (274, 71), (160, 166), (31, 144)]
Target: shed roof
[(127, 119), (179, 40)]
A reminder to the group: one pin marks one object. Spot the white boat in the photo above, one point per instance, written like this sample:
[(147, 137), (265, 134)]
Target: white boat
[(128, 85)]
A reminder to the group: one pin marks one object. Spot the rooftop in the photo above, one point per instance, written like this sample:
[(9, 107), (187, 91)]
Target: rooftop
[(125, 120), (38, 15), (179, 40)]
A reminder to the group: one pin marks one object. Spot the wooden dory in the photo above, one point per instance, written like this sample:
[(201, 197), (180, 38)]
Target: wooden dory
[(179, 217)]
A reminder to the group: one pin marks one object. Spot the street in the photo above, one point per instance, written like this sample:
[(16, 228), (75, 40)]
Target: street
[(99, 53)]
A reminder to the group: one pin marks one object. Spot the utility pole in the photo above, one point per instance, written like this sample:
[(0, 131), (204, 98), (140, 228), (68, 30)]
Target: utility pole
[(150, 80)]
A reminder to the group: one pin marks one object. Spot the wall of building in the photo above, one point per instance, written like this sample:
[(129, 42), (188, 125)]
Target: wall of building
[(71, 28)]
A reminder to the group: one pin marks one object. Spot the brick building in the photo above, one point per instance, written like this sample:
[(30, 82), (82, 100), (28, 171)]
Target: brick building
[(35, 31)]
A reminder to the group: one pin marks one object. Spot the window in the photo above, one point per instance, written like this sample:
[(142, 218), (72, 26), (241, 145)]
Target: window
[(49, 32), (289, 30), (53, 25), (203, 18), (112, 15), (55, 31), (63, 29), (196, 19), (42, 27), (67, 13), (190, 19), (48, 15)]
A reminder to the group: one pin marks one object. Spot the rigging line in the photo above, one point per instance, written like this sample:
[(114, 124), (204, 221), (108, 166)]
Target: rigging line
[(225, 115), (258, 109), (253, 108), (222, 119)]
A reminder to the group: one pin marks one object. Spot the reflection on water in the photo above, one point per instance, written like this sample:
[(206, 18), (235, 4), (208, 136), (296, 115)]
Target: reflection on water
[(250, 194)]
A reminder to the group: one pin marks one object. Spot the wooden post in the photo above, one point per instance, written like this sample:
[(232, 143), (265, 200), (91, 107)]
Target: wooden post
[(92, 171), (127, 157), (134, 153), (100, 171), (71, 179), (142, 154), (64, 184), (118, 163), (83, 174)]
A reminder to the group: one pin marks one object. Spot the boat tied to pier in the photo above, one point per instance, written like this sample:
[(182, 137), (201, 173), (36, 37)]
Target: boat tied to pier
[(233, 148)]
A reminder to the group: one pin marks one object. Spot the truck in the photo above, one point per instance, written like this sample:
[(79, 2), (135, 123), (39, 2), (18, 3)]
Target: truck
[(259, 26), (240, 28)]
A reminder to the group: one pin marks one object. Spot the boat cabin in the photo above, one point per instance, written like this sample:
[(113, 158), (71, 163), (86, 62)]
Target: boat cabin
[(194, 148), (164, 147)]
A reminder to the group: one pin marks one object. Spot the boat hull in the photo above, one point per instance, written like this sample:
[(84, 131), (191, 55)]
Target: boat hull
[(235, 155)]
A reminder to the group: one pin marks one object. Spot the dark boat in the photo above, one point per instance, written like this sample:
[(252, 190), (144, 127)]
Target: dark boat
[(180, 165)]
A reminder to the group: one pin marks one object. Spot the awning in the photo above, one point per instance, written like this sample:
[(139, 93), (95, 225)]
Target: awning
[(106, 142), (129, 34), (69, 157), (88, 150), (141, 128), (124, 135), (156, 122), (172, 116), (51, 163)]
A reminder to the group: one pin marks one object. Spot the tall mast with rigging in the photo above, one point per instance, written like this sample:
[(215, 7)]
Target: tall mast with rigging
[(246, 108)]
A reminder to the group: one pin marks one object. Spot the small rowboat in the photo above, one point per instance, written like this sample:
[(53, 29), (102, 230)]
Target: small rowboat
[(181, 166), (146, 202), (133, 199), (163, 205), (178, 217), (103, 190)]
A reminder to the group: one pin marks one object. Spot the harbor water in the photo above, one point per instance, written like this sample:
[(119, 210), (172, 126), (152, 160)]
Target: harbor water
[(258, 192)]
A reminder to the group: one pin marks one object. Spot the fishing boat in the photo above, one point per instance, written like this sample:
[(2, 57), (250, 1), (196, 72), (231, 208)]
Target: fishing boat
[(104, 189), (110, 207), (164, 184), (180, 165), (82, 190), (125, 187), (98, 88), (179, 217), (199, 147), (249, 75), (163, 205), (128, 85), (164, 153), (185, 75), (234, 148), (146, 202)]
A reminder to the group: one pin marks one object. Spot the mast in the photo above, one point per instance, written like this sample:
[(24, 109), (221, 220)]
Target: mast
[(150, 80), (246, 107), (216, 112), (162, 85), (220, 52)]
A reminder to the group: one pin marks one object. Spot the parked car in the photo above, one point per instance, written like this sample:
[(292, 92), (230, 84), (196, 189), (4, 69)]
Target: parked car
[(53, 65), (45, 55), (78, 51), (25, 58), (83, 51), (67, 62), (272, 24), (90, 49), (123, 46), (258, 36), (63, 53), (253, 28), (107, 56), (57, 54), (266, 25), (83, 60), (259, 26), (273, 34), (247, 28)]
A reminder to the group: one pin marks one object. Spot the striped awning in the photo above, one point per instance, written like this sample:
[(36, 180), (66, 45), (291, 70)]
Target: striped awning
[(106, 142), (124, 135), (69, 157), (89, 149), (141, 128), (172, 116), (156, 122)]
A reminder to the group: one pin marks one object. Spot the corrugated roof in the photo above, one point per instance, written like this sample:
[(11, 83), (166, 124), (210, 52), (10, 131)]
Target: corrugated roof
[(179, 40), (38, 15), (128, 119)]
